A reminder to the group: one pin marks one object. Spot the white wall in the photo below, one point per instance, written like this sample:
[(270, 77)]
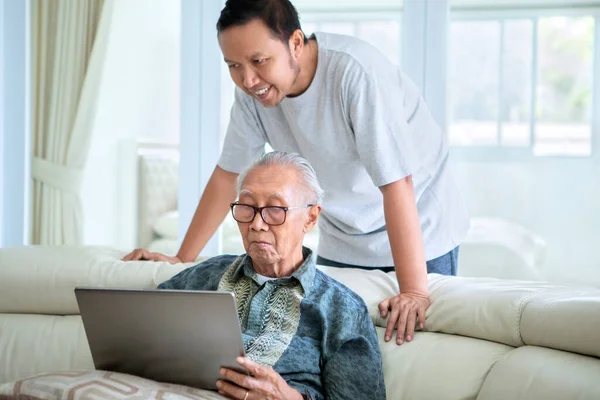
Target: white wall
[(557, 198), (139, 99)]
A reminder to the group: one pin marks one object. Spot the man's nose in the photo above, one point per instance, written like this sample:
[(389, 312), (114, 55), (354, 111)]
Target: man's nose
[(258, 224), (250, 78)]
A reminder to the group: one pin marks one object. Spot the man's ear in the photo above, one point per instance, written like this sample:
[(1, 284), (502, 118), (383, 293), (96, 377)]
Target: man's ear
[(296, 43), (312, 218)]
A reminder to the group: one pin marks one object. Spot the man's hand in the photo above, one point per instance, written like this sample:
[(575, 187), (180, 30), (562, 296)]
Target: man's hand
[(264, 383), (143, 254), (404, 310)]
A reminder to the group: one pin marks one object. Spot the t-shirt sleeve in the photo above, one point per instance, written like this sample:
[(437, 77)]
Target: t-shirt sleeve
[(245, 139), (374, 96)]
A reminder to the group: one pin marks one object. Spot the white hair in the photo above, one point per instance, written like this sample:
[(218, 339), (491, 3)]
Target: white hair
[(279, 158)]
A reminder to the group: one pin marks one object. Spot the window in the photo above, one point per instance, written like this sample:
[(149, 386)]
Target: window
[(381, 31), (523, 80)]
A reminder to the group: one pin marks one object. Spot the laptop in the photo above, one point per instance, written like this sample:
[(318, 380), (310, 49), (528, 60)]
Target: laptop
[(174, 336)]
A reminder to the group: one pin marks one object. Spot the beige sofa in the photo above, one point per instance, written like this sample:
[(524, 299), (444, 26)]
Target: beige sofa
[(485, 339)]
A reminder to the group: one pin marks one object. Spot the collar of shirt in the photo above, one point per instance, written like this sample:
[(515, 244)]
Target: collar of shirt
[(305, 274)]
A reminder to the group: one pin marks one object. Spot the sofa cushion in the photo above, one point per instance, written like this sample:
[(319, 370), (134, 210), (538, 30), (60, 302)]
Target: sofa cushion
[(436, 366), (40, 279), (537, 373), (32, 344), (516, 313), (563, 319), (73, 385)]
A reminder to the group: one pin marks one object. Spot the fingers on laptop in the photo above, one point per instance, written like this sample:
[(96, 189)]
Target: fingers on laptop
[(254, 368), (231, 390), (236, 384)]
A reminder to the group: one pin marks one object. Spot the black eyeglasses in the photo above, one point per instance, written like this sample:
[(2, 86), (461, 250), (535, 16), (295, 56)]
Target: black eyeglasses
[(272, 215)]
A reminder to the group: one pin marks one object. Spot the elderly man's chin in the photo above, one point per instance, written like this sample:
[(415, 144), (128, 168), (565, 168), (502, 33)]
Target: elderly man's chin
[(262, 253)]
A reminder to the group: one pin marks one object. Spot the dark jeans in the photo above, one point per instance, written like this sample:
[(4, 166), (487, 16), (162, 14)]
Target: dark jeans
[(446, 264)]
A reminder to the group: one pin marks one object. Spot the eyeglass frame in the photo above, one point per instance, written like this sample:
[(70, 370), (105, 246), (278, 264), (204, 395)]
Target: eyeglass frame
[(259, 210)]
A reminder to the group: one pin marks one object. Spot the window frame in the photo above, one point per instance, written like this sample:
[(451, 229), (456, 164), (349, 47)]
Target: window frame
[(319, 17), (500, 153)]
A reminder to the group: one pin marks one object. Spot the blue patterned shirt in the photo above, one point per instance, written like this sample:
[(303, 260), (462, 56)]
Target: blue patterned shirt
[(314, 331)]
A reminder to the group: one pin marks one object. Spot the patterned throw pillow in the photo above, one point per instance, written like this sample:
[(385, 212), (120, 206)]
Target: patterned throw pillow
[(79, 385)]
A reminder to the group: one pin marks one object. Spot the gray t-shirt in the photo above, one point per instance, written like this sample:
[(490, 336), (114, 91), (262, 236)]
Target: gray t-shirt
[(361, 124)]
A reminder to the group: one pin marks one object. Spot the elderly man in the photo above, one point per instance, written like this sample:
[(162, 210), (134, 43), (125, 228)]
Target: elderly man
[(306, 335)]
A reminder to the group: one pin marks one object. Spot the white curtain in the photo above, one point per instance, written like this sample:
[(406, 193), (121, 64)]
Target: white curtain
[(69, 40)]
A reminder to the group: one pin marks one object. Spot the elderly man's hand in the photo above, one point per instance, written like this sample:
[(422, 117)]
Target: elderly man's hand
[(264, 383), (143, 254), (404, 311)]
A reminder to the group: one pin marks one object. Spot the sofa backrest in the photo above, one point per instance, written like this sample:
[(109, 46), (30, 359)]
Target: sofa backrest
[(515, 313), (40, 280)]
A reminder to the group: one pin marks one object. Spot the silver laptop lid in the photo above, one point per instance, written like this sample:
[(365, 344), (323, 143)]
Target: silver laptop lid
[(174, 336)]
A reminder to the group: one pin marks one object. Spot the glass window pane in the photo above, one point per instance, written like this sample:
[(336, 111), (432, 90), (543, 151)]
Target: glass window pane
[(385, 35), (516, 83), (473, 85), (564, 86)]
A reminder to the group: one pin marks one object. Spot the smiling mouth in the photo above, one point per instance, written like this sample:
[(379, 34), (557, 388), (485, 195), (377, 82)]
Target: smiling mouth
[(262, 92)]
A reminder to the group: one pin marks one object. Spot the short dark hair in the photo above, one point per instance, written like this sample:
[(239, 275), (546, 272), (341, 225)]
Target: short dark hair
[(280, 16)]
